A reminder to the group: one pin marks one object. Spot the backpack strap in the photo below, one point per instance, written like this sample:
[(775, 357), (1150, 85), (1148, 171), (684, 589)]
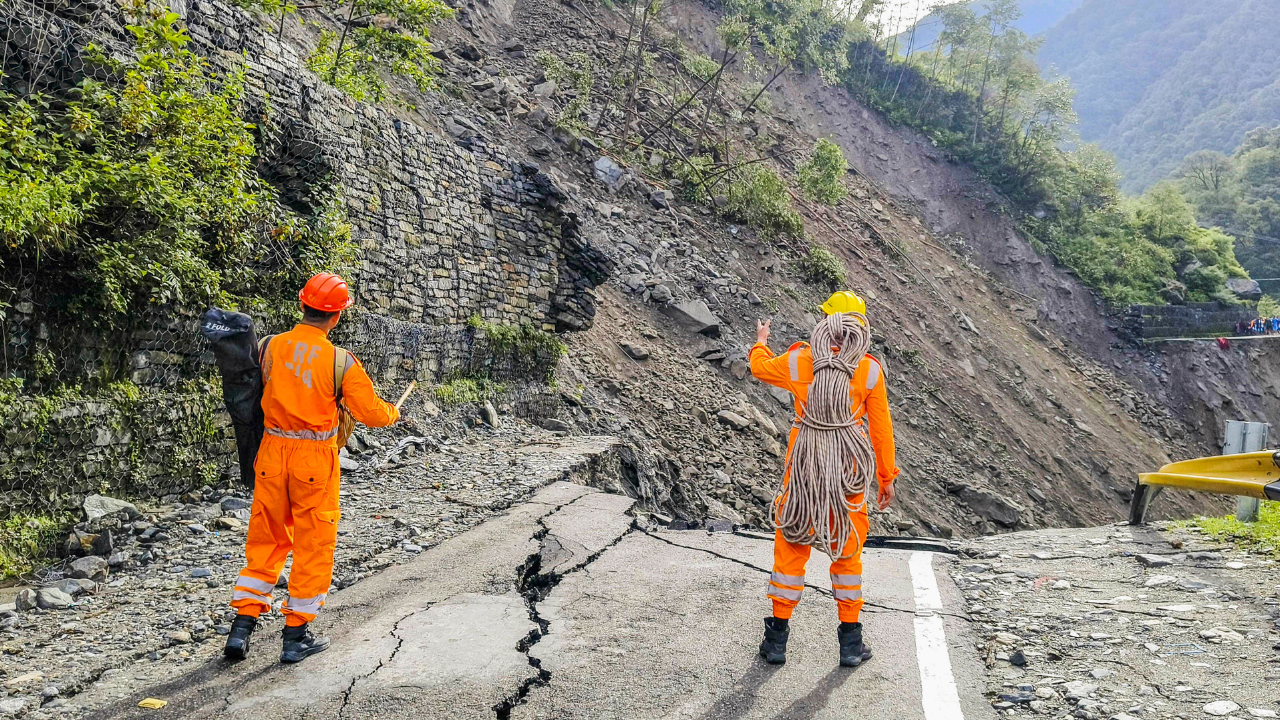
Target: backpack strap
[(263, 344), (339, 370)]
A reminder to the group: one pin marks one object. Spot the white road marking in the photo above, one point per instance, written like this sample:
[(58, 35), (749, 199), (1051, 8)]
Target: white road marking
[(938, 692)]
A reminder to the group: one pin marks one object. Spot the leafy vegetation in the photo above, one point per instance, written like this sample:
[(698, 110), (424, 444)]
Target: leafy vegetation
[(376, 37), (25, 540), (822, 174), (1262, 536), (758, 197), (979, 94), (143, 192), (823, 268), (468, 391), (1241, 194), (1150, 250), (573, 74), (522, 348), (1158, 81)]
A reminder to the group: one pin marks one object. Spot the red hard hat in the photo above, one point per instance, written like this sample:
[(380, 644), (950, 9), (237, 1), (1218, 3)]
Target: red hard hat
[(326, 292)]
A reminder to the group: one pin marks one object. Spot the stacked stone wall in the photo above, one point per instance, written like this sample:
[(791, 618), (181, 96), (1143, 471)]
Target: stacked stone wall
[(446, 232), (1191, 320)]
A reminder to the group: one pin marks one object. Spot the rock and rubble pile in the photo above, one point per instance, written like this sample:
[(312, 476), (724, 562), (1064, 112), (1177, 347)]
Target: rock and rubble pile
[(150, 601), (1119, 622)]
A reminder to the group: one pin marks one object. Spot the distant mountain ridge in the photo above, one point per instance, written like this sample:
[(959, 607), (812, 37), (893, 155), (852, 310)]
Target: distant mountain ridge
[(1157, 81), (1037, 17)]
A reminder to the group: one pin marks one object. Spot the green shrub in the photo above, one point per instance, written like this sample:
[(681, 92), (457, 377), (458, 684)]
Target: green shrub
[(1261, 536), (821, 177), (700, 66), (144, 192), (467, 391), (354, 58), (25, 541), (764, 104), (573, 75), (694, 176), (524, 346), (821, 267), (1268, 307), (759, 198)]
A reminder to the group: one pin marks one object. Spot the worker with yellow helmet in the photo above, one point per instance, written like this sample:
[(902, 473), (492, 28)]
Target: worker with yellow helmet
[(793, 372)]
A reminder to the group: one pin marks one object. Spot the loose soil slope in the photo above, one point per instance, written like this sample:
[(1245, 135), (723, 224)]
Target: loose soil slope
[(1001, 423)]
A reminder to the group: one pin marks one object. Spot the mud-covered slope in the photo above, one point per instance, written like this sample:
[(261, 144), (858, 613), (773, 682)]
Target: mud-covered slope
[(1001, 420)]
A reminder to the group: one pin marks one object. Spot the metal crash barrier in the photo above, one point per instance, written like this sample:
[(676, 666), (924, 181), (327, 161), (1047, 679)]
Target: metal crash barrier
[(1249, 475)]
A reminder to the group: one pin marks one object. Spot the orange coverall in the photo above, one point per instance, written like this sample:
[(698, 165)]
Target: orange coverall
[(793, 372), (295, 493)]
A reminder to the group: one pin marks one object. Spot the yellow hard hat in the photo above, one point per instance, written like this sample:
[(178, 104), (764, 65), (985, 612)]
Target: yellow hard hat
[(843, 302)]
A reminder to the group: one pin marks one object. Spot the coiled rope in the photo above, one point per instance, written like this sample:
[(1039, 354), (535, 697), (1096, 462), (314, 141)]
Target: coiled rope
[(832, 459)]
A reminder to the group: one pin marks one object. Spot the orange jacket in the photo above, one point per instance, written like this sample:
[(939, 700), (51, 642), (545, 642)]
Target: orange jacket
[(793, 372), (298, 395)]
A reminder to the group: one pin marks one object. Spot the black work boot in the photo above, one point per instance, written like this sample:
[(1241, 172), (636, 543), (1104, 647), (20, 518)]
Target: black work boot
[(238, 641), (774, 646), (300, 643), (853, 652)]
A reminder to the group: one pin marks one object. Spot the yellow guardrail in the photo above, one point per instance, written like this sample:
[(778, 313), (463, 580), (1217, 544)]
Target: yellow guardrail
[(1255, 474)]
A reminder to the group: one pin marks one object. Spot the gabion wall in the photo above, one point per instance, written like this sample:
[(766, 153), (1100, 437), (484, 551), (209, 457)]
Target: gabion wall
[(447, 232)]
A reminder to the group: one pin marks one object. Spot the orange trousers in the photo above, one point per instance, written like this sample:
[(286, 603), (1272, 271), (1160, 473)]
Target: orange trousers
[(786, 584), (295, 509)]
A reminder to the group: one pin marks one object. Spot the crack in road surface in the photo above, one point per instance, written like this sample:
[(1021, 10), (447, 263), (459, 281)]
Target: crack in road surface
[(534, 586), (815, 588), (346, 694)]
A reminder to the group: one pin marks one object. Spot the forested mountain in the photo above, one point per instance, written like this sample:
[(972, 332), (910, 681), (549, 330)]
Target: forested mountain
[(1241, 193), (1157, 81), (1037, 17)]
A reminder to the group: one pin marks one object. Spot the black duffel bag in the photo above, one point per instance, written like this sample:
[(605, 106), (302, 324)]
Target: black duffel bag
[(235, 349)]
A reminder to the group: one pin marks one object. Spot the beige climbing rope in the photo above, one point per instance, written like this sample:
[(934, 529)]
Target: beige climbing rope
[(832, 459)]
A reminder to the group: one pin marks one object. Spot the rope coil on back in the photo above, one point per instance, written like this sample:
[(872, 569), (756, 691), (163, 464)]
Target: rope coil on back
[(832, 458)]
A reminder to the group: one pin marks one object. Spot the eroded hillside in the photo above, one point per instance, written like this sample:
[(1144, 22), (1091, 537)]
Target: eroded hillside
[(1005, 416), (1016, 404)]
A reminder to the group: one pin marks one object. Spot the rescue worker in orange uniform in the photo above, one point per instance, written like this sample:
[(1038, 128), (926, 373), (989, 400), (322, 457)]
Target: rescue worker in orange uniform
[(793, 372), (295, 494)]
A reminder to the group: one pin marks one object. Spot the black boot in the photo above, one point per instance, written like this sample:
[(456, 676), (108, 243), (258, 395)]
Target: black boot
[(238, 641), (853, 652), (300, 643), (774, 646)]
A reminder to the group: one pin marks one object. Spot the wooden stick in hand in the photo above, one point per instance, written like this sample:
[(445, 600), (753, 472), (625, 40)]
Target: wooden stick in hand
[(412, 384)]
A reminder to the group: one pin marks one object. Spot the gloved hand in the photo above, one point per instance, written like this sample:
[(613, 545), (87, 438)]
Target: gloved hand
[(886, 495)]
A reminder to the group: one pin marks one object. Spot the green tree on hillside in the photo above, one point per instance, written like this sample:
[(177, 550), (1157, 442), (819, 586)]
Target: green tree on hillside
[(374, 37), (1241, 194)]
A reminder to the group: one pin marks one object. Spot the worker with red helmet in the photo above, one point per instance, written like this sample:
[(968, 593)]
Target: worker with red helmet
[(295, 494)]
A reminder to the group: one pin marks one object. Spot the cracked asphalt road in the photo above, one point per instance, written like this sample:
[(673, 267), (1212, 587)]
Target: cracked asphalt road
[(568, 607)]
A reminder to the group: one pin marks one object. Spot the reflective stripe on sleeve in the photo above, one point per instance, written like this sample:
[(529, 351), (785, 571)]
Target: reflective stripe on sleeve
[(781, 579), (848, 580), (793, 362), (873, 375), (305, 605), (846, 594), (253, 583), (784, 593)]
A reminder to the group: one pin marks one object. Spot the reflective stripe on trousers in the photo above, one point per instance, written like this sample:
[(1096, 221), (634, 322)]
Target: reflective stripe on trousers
[(778, 583), (252, 596), (309, 605), (846, 587), (249, 582)]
